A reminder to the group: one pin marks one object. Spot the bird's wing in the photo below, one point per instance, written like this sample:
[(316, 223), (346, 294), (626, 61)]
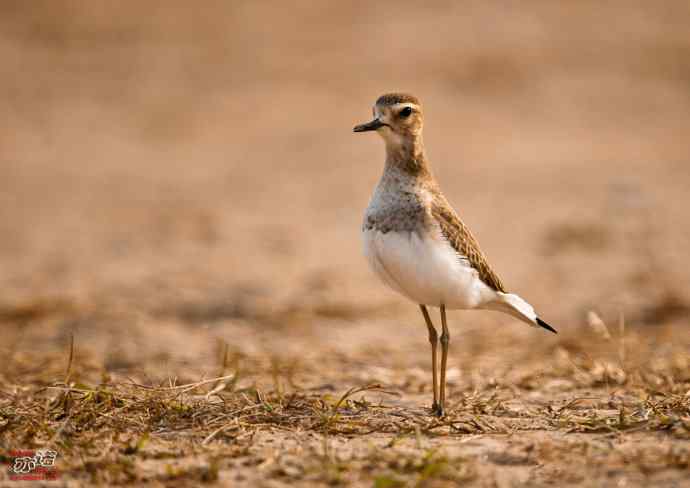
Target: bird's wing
[(462, 240)]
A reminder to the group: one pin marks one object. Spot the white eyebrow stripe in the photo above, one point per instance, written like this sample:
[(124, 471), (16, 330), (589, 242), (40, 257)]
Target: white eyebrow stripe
[(400, 106), (395, 108)]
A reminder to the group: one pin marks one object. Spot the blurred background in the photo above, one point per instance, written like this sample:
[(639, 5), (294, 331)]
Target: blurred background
[(173, 174)]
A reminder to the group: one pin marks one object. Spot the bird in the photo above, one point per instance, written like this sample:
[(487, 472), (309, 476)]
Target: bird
[(416, 243)]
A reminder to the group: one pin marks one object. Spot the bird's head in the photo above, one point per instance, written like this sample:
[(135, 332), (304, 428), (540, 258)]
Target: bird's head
[(397, 118)]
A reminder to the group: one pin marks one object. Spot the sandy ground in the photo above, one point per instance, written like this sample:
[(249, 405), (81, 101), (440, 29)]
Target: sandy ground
[(177, 181)]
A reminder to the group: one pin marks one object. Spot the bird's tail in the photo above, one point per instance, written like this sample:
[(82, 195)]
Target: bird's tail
[(518, 308)]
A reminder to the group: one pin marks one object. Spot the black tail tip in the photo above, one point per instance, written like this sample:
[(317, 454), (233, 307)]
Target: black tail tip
[(545, 325)]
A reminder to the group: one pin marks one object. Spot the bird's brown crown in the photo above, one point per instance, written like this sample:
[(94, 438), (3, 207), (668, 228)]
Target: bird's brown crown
[(393, 98)]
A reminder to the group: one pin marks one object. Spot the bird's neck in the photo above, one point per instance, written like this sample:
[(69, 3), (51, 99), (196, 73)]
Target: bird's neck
[(407, 156)]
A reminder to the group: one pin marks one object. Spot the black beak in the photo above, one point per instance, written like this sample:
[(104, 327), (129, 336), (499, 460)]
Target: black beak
[(373, 125)]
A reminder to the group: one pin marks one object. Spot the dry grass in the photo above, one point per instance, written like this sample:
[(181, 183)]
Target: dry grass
[(560, 410)]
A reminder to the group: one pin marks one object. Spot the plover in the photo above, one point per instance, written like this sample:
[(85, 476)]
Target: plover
[(416, 243)]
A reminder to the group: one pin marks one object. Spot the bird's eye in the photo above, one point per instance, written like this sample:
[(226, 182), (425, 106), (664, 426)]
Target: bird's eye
[(406, 112)]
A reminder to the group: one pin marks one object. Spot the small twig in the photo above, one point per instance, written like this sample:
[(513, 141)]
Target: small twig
[(68, 371), (220, 429), (185, 388), (573, 402), (621, 332), (230, 414), (69, 389)]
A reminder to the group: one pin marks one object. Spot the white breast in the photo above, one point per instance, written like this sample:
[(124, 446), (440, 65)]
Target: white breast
[(425, 269)]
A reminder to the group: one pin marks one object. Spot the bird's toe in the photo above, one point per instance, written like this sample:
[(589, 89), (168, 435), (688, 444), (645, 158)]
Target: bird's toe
[(437, 410)]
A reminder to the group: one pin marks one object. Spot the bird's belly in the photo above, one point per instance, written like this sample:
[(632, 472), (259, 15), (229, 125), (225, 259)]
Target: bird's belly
[(427, 270)]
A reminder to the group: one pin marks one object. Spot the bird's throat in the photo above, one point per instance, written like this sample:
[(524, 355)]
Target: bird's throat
[(407, 155)]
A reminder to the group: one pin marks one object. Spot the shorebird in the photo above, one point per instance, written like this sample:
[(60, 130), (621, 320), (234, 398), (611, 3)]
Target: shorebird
[(416, 243)]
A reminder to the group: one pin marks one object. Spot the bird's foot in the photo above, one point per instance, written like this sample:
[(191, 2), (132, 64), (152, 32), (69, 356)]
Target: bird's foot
[(437, 410)]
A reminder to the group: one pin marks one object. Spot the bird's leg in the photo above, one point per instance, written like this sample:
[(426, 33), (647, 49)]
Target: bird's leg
[(433, 340), (445, 339)]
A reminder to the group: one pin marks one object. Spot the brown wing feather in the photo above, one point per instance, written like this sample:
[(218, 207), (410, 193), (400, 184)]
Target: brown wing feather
[(464, 243)]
